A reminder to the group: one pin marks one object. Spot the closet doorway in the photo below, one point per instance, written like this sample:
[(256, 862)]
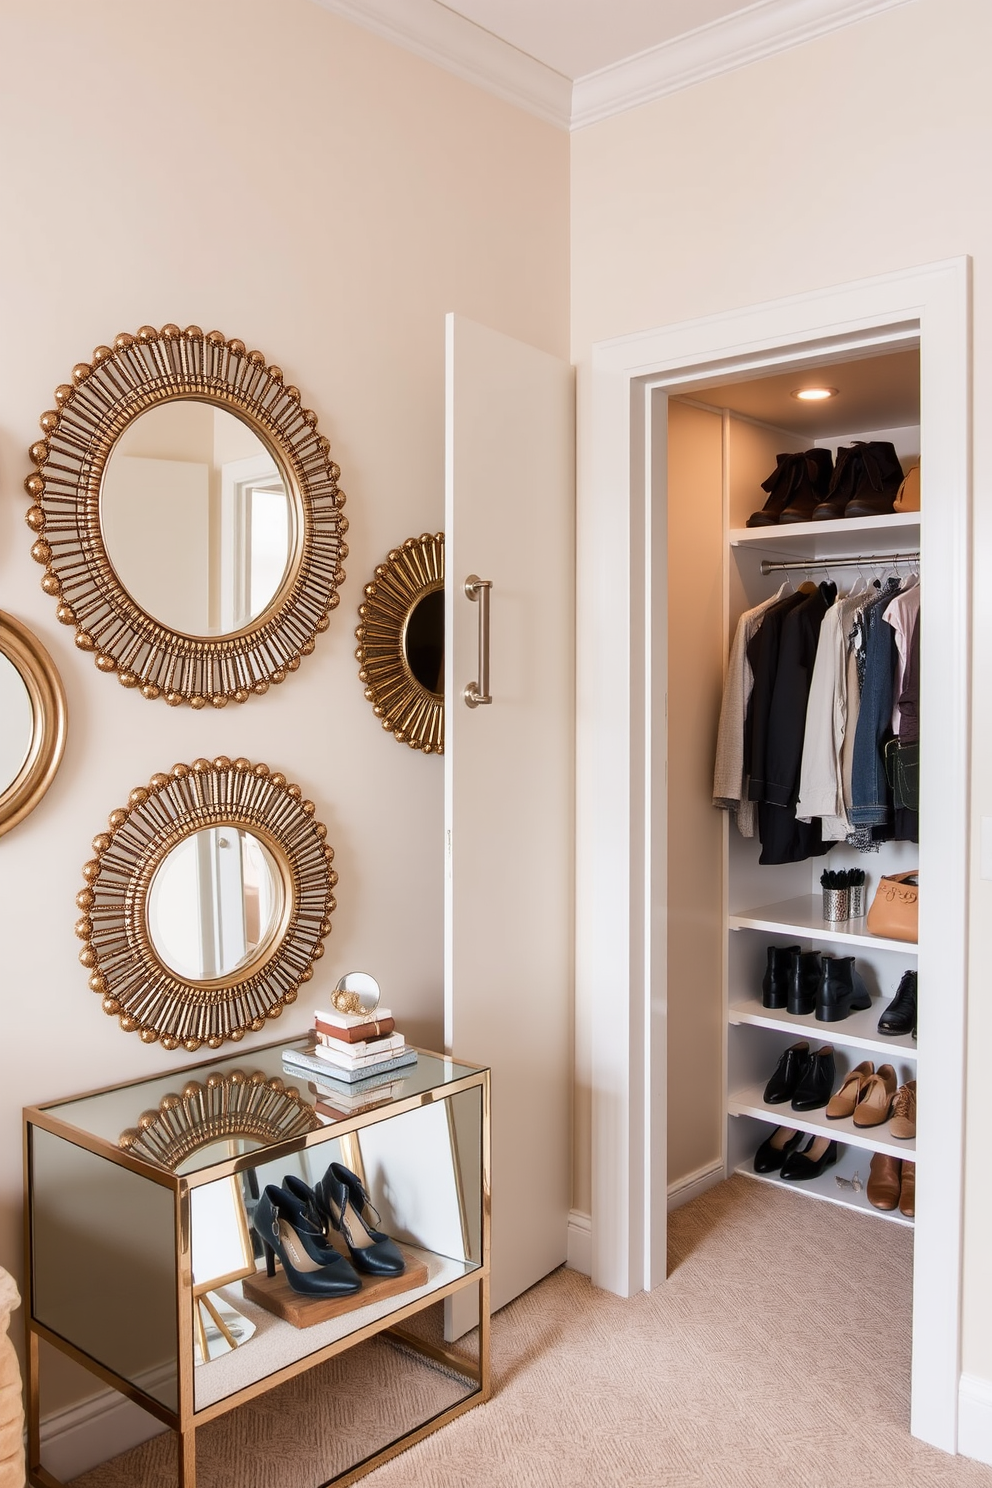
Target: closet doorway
[(669, 882)]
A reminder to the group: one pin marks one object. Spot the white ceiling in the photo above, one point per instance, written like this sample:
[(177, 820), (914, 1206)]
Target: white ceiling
[(576, 37), (575, 62)]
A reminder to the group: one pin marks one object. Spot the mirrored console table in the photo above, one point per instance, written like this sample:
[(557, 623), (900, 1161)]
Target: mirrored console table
[(143, 1265)]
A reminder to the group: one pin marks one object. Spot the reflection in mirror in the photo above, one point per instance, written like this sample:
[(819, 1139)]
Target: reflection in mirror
[(215, 900), (208, 490), (423, 642), (16, 723)]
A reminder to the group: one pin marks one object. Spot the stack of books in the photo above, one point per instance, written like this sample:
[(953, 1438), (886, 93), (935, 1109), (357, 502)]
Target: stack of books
[(353, 1047)]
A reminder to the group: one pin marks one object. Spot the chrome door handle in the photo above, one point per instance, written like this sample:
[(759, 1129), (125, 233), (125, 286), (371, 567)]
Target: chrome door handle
[(480, 590)]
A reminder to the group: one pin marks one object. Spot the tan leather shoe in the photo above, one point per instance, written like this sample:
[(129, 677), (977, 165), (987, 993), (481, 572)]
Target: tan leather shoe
[(907, 1193), (847, 1097), (876, 1098), (904, 1112), (883, 1185)]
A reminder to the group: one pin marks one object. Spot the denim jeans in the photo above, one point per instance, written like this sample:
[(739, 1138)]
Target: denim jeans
[(871, 797)]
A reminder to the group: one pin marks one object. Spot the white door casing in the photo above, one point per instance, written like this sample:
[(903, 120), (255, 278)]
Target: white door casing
[(620, 954), (509, 778)]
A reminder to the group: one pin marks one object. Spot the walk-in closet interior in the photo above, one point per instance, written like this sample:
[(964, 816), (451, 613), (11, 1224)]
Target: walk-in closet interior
[(726, 908)]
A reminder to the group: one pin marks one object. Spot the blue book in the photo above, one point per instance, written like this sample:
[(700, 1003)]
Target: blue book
[(333, 1074)]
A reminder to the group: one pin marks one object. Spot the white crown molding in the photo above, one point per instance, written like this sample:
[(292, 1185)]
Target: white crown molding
[(439, 35), (759, 31)]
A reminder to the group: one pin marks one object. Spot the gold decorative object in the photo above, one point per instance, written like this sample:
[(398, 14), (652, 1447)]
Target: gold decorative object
[(46, 700), (138, 373), (409, 703), (131, 964), (235, 1104)]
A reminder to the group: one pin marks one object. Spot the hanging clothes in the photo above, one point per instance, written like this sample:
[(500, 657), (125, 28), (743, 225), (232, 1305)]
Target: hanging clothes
[(871, 794), (780, 730), (821, 783), (730, 779)]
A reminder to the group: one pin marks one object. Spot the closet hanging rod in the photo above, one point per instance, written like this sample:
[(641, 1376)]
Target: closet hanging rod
[(856, 560)]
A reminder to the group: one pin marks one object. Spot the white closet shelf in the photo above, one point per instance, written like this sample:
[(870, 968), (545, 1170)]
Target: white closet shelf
[(826, 1189), (857, 1030), (803, 917), (848, 536), (749, 1102)]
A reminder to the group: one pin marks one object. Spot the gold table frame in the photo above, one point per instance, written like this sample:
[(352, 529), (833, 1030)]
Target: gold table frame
[(185, 1420)]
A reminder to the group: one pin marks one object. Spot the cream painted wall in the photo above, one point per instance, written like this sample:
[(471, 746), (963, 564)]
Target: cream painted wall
[(263, 167), (863, 151)]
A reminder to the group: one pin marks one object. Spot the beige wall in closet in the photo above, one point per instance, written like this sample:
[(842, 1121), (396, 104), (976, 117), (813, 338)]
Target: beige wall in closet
[(266, 168), (860, 152)]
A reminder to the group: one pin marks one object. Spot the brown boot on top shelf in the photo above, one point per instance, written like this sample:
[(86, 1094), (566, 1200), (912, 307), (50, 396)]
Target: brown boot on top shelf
[(904, 1112)]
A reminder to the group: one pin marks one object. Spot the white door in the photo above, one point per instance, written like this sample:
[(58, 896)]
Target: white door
[(509, 787)]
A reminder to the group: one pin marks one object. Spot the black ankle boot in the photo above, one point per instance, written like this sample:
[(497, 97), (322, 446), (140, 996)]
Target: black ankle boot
[(900, 1015), (796, 485), (804, 981), (842, 990), (881, 477), (777, 980)]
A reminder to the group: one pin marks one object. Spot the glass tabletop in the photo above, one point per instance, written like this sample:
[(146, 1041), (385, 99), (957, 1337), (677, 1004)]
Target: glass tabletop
[(187, 1120)]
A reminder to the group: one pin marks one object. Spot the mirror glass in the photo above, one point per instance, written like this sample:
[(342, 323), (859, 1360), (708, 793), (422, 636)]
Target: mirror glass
[(196, 518), (362, 986), (215, 899), (16, 723), (423, 641)]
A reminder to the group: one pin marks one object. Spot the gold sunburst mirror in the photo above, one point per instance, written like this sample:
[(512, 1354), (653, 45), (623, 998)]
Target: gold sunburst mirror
[(32, 721), (187, 515), (401, 643), (206, 903)]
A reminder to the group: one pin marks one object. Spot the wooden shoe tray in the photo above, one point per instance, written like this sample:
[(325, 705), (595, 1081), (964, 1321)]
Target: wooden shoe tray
[(275, 1294)]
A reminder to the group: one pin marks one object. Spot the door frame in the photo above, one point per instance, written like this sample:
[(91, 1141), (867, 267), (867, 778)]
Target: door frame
[(620, 766)]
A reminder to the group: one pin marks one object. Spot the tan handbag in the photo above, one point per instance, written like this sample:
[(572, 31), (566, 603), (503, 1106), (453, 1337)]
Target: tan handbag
[(895, 910), (908, 494)]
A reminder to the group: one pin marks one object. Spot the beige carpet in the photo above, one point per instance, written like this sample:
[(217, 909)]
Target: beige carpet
[(776, 1356)]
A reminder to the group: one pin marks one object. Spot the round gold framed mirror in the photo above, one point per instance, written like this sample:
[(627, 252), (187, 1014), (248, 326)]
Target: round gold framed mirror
[(187, 515), (401, 643), (206, 903), (32, 721)]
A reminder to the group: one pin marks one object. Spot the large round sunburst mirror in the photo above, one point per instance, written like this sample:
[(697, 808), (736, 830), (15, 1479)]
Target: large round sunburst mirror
[(206, 903), (401, 643), (187, 515)]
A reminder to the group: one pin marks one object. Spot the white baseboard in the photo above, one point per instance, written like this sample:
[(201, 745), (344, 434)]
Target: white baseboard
[(694, 1184), (82, 1436), (579, 1254), (975, 1418)]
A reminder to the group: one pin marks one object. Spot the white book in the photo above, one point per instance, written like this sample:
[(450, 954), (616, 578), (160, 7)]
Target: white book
[(362, 1046), (343, 1060), (352, 1020)]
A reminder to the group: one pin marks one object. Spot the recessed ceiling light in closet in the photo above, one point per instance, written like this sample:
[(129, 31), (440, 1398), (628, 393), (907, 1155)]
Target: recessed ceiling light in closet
[(814, 394)]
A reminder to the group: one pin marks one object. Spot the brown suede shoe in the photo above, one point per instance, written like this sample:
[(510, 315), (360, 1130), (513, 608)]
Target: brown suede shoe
[(904, 1112), (883, 1185), (907, 1192), (847, 1097), (876, 1099)]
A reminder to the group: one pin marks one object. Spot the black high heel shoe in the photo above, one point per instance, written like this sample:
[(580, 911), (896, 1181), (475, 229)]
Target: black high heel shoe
[(312, 1268), (343, 1202)]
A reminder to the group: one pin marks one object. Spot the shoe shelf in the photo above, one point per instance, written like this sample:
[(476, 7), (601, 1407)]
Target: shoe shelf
[(277, 1345), (896, 532), (802, 916), (857, 1030), (749, 1101), (825, 1187)]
